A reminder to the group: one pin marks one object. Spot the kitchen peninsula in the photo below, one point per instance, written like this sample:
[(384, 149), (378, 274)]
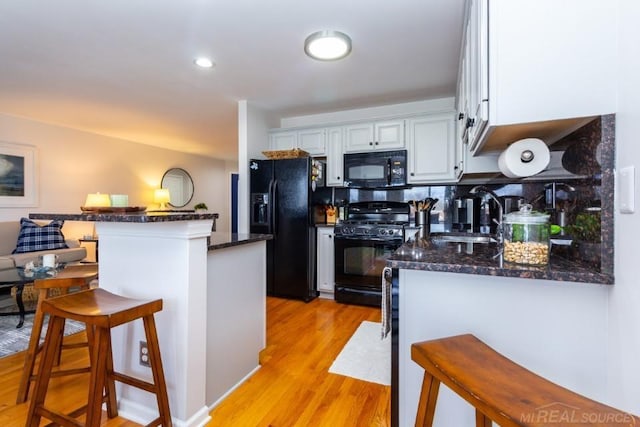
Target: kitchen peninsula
[(212, 325)]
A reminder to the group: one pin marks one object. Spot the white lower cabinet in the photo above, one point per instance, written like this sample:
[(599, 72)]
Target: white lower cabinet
[(325, 263), (431, 149)]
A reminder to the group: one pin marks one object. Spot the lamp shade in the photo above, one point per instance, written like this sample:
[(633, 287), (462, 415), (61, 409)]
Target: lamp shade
[(97, 200), (162, 197)]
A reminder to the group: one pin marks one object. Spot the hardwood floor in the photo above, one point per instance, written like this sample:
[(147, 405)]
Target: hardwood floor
[(292, 388)]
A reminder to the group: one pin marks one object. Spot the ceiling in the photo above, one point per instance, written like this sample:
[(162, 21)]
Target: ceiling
[(124, 68)]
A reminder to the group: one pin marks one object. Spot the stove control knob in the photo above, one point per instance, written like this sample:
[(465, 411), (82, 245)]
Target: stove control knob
[(383, 232), (366, 231)]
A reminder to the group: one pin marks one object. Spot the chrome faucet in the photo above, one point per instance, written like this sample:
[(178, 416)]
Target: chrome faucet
[(481, 189)]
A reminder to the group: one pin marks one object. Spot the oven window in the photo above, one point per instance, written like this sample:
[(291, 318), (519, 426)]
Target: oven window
[(366, 260), (367, 172)]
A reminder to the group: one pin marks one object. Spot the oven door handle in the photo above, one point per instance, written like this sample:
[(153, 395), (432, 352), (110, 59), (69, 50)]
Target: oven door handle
[(389, 172)]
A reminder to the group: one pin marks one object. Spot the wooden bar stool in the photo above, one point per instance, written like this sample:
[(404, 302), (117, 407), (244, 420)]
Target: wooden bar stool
[(501, 390), (100, 311), (70, 278)]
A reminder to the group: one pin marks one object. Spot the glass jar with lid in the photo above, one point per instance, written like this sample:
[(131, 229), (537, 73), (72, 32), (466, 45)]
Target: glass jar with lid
[(526, 236)]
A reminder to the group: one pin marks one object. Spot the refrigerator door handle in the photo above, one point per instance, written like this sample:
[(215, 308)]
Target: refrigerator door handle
[(274, 208), (270, 208)]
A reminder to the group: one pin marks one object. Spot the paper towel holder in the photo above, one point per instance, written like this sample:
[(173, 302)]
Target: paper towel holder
[(526, 156)]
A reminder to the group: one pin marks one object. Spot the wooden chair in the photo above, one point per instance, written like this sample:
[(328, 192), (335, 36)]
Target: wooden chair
[(100, 311), (70, 278), (501, 390)]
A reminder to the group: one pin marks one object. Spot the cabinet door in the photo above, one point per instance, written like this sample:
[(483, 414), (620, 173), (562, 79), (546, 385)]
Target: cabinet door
[(335, 158), (285, 140), (325, 261), (478, 66), (389, 135), (432, 148), (358, 137), (312, 141)]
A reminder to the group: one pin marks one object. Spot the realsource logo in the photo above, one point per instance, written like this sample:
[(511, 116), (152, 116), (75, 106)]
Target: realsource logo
[(559, 413)]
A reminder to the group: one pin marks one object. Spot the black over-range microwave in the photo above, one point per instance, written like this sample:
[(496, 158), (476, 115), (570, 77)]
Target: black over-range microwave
[(376, 169)]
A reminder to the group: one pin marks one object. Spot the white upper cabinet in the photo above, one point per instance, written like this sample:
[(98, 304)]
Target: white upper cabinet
[(335, 158), (431, 149), (283, 140), (541, 62), (313, 141), (383, 135)]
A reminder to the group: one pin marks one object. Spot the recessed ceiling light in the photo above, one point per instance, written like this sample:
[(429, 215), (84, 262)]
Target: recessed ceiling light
[(203, 62), (327, 45)]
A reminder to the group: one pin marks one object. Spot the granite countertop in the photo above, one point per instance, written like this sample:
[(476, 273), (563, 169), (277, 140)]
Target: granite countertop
[(127, 217), (486, 259), (221, 239)]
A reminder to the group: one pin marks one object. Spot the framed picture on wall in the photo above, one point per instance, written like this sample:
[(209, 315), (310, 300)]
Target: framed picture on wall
[(18, 175)]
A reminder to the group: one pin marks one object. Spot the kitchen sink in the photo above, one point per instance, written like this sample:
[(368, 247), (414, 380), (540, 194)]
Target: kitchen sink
[(463, 238)]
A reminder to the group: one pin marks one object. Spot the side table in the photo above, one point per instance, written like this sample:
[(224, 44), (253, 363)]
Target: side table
[(16, 276)]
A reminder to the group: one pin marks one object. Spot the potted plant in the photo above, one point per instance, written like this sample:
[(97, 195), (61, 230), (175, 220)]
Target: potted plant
[(587, 235), (200, 207)]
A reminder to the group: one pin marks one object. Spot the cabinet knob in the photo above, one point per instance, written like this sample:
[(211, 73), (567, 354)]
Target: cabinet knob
[(370, 143), (337, 177), (329, 236), (412, 174), (376, 143), (460, 116)]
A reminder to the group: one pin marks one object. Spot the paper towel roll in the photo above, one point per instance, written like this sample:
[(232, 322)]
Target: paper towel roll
[(525, 157)]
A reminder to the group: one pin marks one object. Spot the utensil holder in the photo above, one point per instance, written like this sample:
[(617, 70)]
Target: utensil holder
[(422, 221)]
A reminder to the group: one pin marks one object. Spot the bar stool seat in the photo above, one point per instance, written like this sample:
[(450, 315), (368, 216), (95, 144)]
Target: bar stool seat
[(71, 278), (100, 311)]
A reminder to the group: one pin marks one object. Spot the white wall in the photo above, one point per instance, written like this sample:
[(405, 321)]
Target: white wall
[(253, 138), (624, 303), (74, 163), (372, 113)]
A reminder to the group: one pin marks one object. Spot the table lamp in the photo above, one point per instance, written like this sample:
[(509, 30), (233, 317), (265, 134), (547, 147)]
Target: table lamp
[(97, 200), (162, 197)]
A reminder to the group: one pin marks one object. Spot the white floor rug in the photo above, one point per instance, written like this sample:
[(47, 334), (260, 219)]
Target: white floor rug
[(365, 356)]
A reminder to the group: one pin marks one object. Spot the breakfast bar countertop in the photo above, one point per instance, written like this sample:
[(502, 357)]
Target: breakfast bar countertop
[(486, 259), (155, 216), (222, 239)]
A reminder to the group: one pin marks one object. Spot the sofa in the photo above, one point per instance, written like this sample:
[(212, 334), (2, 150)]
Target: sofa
[(9, 233)]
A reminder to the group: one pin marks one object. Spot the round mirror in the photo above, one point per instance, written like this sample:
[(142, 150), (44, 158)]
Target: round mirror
[(180, 186)]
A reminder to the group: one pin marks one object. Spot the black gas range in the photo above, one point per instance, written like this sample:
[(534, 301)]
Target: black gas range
[(363, 243)]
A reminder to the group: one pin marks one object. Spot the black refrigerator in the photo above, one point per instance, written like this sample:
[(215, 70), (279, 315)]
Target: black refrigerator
[(280, 198)]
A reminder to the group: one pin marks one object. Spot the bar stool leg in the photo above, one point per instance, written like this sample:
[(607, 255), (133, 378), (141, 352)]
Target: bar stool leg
[(52, 342), (157, 370), (99, 357), (110, 386), (482, 420), (427, 402), (32, 351)]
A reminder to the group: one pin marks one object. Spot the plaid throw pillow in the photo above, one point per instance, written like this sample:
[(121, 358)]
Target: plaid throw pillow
[(34, 237)]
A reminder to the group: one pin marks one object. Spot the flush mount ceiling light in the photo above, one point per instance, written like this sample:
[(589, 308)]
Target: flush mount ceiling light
[(327, 45), (203, 62)]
